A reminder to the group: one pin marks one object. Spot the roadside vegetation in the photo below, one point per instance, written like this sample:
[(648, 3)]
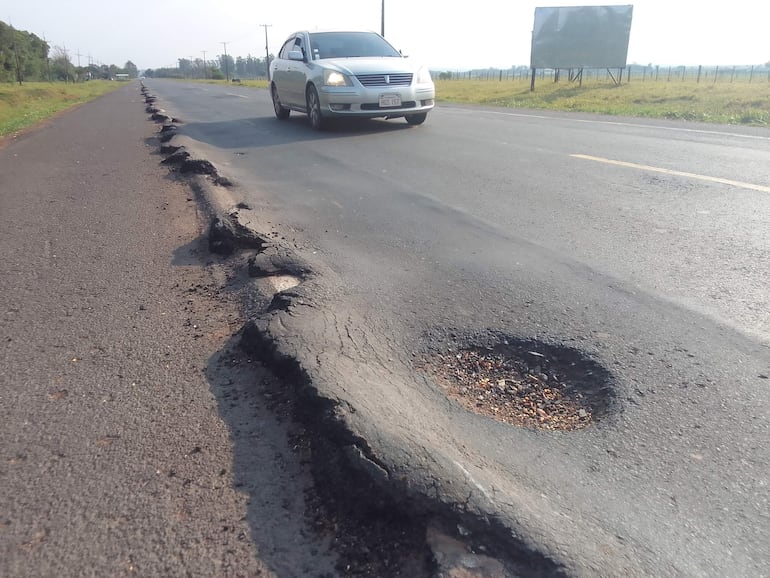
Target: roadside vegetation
[(730, 103), (22, 106), (725, 102), (38, 80)]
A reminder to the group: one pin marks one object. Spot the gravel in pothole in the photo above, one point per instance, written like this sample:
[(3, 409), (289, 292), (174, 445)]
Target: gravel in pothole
[(522, 386)]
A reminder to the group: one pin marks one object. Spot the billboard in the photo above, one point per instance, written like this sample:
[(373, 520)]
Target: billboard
[(581, 37)]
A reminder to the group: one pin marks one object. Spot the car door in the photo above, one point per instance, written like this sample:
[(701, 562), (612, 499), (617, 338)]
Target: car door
[(296, 71), (288, 73)]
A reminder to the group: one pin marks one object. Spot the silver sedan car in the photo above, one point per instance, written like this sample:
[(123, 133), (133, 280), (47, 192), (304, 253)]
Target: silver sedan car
[(348, 74)]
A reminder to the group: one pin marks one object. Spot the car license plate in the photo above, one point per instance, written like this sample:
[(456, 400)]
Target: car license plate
[(390, 100)]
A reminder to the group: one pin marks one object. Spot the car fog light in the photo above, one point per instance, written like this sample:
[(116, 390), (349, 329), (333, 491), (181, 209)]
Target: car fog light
[(338, 107), (428, 102)]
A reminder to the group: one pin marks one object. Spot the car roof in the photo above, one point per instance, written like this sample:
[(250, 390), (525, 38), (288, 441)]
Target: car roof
[(337, 30)]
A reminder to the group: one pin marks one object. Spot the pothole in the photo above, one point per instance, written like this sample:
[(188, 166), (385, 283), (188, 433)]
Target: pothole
[(525, 383)]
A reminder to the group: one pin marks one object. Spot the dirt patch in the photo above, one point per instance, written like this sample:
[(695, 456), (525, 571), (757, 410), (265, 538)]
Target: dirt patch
[(526, 384)]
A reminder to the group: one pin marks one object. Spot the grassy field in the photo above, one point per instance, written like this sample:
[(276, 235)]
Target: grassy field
[(730, 103), (725, 102), (23, 106)]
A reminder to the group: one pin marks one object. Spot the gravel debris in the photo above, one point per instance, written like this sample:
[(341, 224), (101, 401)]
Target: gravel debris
[(524, 388)]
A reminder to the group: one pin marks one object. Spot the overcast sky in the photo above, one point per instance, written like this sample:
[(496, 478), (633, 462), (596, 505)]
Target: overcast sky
[(443, 35)]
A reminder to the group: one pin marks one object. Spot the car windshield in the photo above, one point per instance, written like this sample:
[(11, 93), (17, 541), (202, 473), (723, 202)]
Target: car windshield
[(350, 45)]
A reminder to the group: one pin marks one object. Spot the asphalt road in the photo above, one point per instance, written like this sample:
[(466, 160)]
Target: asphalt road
[(136, 440), (643, 245)]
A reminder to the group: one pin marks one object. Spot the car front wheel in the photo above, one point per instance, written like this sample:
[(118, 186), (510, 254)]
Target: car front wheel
[(281, 112), (314, 109), (415, 119)]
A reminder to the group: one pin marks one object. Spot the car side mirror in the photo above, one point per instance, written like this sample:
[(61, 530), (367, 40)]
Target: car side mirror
[(296, 55)]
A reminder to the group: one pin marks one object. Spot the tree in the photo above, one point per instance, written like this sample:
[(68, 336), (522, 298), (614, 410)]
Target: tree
[(131, 69), (23, 56), (240, 67), (61, 67), (226, 64)]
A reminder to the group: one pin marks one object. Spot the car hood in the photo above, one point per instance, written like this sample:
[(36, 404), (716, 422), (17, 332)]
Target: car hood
[(384, 65)]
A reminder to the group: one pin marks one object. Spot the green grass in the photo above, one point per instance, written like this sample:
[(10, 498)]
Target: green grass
[(723, 102), (252, 83), (26, 105), (731, 103)]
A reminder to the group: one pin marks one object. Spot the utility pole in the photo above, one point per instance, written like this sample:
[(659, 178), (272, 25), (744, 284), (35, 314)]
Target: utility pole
[(47, 60), (227, 69), (267, 51), (66, 65), (205, 72), (382, 20), (19, 71)]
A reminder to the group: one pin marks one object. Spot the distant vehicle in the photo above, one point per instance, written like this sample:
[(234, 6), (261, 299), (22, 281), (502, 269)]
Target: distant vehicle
[(348, 74)]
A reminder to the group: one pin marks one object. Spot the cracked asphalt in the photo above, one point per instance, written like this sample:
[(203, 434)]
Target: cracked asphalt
[(136, 439), (397, 263), (424, 242)]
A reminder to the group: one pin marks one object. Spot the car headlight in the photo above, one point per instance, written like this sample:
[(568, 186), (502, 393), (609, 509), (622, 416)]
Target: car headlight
[(334, 78), (423, 76)]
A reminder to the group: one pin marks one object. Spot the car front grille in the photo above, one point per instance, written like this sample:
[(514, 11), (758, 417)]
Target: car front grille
[(402, 79)]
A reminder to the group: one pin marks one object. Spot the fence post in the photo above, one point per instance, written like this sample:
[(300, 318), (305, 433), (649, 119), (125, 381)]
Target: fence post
[(751, 74), (716, 74), (700, 68), (732, 75)]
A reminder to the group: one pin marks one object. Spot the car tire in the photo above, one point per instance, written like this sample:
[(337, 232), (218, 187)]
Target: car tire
[(415, 119), (317, 122), (281, 112)]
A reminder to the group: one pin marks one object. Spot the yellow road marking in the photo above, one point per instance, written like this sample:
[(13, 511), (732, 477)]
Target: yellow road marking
[(739, 184)]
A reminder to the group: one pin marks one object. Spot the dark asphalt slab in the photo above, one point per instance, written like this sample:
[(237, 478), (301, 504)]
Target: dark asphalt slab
[(135, 440), (483, 226)]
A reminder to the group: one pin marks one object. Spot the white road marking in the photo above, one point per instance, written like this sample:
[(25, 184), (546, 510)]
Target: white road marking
[(233, 94), (739, 184)]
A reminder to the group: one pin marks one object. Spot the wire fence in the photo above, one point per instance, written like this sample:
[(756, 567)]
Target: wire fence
[(632, 73)]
